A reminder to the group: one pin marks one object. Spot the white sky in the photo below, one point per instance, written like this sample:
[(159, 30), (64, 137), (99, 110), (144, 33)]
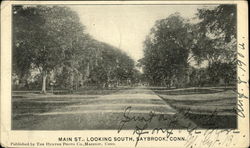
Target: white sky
[(126, 26)]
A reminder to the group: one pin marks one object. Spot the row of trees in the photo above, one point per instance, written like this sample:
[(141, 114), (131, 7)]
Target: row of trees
[(177, 49), (50, 46)]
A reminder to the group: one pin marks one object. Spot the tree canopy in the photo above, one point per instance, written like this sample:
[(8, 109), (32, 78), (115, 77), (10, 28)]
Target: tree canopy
[(51, 42), (174, 41), (52, 39), (166, 50)]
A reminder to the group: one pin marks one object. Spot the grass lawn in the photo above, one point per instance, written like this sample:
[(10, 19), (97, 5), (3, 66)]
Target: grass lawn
[(209, 107), (27, 103)]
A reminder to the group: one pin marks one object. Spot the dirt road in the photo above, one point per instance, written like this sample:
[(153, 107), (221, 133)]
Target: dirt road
[(130, 108)]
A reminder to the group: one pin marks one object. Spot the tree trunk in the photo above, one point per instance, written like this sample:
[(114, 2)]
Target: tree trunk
[(44, 74), (108, 77), (77, 81), (87, 73), (71, 79)]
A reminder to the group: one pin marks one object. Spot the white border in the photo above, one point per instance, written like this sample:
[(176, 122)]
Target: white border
[(8, 135)]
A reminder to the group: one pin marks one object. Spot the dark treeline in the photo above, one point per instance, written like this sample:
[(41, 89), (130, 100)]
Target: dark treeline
[(50, 47), (198, 52)]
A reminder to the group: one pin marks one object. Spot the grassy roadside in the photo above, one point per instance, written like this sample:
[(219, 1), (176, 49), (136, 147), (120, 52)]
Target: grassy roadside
[(27, 103), (209, 107)]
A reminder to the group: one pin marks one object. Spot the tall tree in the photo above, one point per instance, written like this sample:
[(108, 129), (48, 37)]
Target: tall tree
[(45, 36), (215, 34), (166, 50)]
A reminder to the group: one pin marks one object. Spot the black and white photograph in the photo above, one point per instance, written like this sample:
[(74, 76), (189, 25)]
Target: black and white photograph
[(124, 67), (124, 74)]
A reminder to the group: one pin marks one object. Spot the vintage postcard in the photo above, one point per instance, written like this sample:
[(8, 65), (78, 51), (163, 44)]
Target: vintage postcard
[(124, 74)]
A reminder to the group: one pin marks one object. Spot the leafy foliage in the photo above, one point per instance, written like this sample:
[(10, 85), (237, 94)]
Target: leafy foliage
[(173, 42), (166, 50), (215, 34), (53, 40), (220, 21)]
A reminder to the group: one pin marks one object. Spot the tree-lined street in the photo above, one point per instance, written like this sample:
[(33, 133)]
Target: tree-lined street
[(64, 78)]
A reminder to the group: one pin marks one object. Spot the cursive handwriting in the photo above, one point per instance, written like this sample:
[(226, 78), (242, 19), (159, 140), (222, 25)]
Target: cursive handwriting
[(128, 118)]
